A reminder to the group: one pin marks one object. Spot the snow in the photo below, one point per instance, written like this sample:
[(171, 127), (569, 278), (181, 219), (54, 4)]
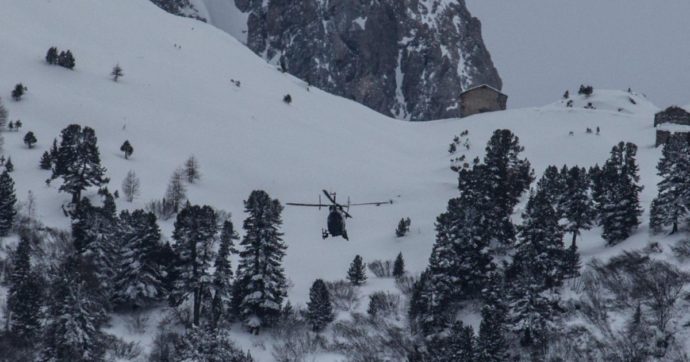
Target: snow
[(542, 47), (225, 15), (175, 101)]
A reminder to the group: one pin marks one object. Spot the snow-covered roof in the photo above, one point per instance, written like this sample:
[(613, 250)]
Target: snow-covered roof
[(483, 86)]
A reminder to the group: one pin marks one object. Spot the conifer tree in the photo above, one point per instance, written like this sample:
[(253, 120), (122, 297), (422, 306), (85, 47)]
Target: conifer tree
[(572, 263), (319, 308), (66, 60), (24, 297), (74, 316), (577, 206), (457, 344), (9, 166), (357, 273), (46, 161), (507, 177), (399, 266), (18, 92), (539, 252), (8, 199), (78, 161), (127, 149), (30, 139), (195, 232), (620, 205), (191, 169), (222, 276), (554, 185), (139, 278), (3, 115), (261, 284), (403, 227), (492, 343), (52, 56), (199, 344), (671, 204)]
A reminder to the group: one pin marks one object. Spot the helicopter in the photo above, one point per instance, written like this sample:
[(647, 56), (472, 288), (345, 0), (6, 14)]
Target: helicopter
[(337, 213)]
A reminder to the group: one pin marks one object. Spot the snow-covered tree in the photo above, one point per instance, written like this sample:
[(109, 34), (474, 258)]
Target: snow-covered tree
[(619, 200), (78, 161), (261, 285), (4, 114), (492, 343), (222, 276), (319, 307), (191, 170), (24, 297), (577, 206), (8, 201), (195, 232), (399, 266), (18, 91), (46, 161), (30, 139), (200, 345), (357, 272), (66, 59), (176, 192), (139, 276), (116, 73), (127, 149), (673, 199), (52, 56)]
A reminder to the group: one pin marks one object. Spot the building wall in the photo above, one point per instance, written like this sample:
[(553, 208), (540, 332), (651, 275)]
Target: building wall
[(482, 100)]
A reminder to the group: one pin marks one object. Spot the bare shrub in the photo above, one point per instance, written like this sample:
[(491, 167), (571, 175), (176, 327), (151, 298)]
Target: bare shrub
[(384, 304), (364, 339), (343, 295), (121, 350), (682, 249), (381, 269), (406, 284)]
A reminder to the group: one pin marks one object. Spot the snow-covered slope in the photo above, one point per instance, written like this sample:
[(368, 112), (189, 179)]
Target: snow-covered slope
[(177, 99)]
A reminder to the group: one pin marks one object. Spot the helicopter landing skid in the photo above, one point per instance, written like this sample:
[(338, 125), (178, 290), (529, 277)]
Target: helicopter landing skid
[(324, 233)]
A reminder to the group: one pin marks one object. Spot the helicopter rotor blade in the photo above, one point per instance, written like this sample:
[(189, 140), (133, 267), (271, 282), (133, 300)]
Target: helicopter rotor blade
[(307, 205), (389, 202), (328, 195)]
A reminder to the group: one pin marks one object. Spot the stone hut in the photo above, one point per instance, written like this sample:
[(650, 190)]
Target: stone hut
[(674, 120), (480, 99)]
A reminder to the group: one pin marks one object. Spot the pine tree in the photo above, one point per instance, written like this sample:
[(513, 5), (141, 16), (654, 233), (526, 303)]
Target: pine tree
[(30, 139), (116, 73), (457, 344), (319, 308), (18, 92), (531, 312), (620, 202), (539, 252), (222, 276), (577, 206), (191, 168), (9, 166), (507, 177), (399, 266), (127, 149), (572, 263), (46, 161), (66, 60), (8, 200), (261, 285), (130, 186), (492, 343), (671, 204), (52, 56), (74, 316), (139, 278), (554, 186), (199, 344), (24, 297), (403, 227), (195, 232), (78, 161), (357, 273)]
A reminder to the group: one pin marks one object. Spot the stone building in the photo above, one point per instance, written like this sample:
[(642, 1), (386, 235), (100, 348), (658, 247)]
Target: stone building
[(672, 121), (481, 99)]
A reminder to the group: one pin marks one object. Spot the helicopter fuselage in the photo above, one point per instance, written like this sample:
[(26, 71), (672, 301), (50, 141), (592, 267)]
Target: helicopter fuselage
[(336, 224)]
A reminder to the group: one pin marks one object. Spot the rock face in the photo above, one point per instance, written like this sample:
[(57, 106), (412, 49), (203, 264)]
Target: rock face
[(409, 59)]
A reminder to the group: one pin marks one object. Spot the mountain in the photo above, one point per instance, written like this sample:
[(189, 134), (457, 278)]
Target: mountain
[(407, 59), (192, 89)]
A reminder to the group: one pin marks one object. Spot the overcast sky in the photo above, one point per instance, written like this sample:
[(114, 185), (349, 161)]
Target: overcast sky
[(542, 47)]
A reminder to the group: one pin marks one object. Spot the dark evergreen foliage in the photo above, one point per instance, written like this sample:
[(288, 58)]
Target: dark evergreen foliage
[(66, 60), (78, 161), (357, 273), (619, 201), (46, 161), (260, 287), (127, 149), (195, 231), (18, 91), (319, 308), (30, 139), (457, 345), (585, 90), (9, 166), (52, 56), (672, 203), (202, 345), (577, 206), (8, 201), (222, 276), (492, 343), (403, 227), (116, 73), (24, 299), (399, 266), (139, 277)]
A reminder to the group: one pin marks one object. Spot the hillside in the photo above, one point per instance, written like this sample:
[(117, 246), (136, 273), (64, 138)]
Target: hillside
[(176, 99)]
